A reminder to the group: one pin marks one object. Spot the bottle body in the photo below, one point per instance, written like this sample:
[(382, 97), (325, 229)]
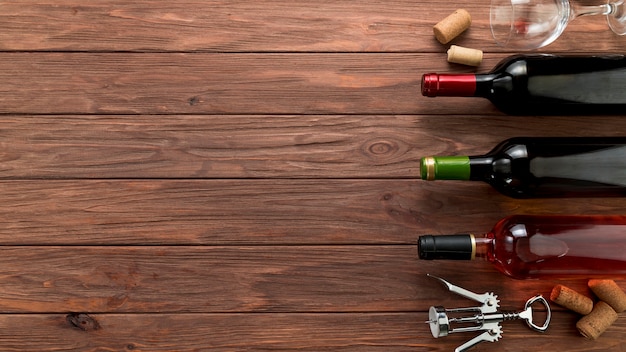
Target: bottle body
[(536, 167), (532, 247), (542, 84)]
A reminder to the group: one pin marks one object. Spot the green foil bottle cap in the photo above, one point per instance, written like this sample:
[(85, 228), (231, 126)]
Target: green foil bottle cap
[(445, 168)]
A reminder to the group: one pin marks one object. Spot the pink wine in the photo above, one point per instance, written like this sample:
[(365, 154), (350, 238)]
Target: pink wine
[(542, 84), (530, 247)]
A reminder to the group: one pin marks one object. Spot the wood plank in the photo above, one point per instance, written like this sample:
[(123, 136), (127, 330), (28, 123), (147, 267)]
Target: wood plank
[(293, 331), (207, 279), (260, 146), (182, 212), (122, 83), (242, 176), (117, 83), (274, 26)]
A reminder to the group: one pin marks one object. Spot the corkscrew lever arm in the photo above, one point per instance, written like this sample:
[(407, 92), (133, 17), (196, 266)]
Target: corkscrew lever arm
[(486, 336), (488, 300)]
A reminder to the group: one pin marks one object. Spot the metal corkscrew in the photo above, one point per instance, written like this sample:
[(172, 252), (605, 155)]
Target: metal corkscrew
[(485, 318)]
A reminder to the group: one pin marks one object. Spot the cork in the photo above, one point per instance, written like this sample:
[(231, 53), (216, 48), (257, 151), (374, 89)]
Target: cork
[(453, 25), (572, 300), (609, 292), (465, 56), (595, 323)]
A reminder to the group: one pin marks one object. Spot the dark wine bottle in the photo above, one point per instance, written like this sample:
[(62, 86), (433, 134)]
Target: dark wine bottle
[(538, 167), (530, 247), (542, 84)]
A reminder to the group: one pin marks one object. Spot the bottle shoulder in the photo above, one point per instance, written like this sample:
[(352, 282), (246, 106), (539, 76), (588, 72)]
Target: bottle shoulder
[(518, 67), (506, 168)]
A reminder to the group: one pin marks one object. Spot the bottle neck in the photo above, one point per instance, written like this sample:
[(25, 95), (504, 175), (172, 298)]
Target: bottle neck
[(455, 167), (484, 247), (457, 85), (455, 247)]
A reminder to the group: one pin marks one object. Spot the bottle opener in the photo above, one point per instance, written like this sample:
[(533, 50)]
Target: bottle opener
[(485, 318)]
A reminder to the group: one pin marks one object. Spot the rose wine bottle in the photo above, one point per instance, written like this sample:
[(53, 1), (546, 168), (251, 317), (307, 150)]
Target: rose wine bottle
[(538, 167), (530, 247), (542, 84)]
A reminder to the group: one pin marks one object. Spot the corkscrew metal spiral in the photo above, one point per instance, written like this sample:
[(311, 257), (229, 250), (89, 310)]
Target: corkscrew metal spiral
[(485, 318)]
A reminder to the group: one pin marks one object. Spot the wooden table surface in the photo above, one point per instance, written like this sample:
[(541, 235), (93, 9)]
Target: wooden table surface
[(244, 175)]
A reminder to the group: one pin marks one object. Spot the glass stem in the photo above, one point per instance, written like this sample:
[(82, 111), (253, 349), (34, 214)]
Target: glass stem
[(605, 9)]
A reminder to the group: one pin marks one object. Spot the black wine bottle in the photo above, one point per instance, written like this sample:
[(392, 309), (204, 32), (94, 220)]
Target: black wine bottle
[(535, 167), (542, 84), (530, 247)]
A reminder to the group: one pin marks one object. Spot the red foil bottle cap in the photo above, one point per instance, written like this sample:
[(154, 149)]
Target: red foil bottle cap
[(453, 85)]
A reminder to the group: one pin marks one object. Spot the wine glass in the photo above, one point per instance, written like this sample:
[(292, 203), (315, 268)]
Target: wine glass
[(532, 24)]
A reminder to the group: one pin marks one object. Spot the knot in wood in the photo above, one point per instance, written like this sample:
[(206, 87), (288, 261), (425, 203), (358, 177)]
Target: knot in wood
[(383, 150), (382, 147), (82, 321)]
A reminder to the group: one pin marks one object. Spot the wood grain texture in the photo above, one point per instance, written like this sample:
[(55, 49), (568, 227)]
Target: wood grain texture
[(201, 212), (260, 146), (277, 331), (249, 83), (218, 83), (268, 26), (243, 175), (212, 279)]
